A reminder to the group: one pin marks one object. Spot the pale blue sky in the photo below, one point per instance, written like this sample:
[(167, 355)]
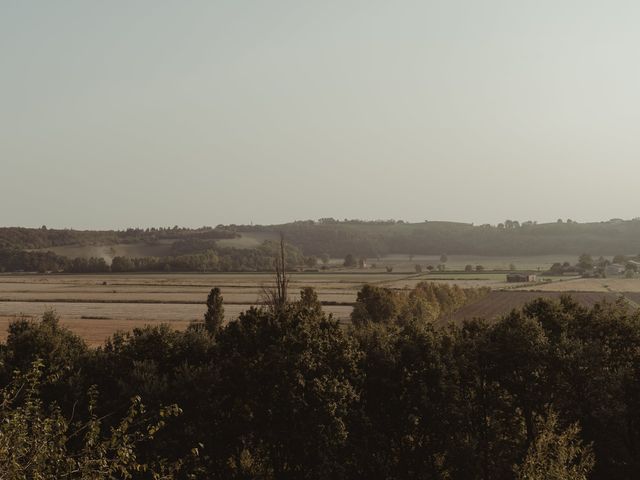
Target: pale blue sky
[(126, 113)]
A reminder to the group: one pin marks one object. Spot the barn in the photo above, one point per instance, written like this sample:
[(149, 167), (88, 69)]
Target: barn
[(521, 278)]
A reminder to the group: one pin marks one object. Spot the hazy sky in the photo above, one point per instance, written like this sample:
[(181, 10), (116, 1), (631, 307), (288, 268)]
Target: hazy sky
[(126, 113)]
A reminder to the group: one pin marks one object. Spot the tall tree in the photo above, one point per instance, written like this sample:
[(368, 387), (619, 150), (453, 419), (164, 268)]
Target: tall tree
[(214, 317)]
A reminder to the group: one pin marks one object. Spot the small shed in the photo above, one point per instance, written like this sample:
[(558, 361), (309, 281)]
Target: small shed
[(521, 278)]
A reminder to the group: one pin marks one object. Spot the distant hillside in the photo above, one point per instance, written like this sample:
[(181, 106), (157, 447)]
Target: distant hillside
[(143, 250), (39, 238), (338, 238), (371, 239)]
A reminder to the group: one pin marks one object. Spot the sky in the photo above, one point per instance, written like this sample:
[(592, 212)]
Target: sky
[(160, 113)]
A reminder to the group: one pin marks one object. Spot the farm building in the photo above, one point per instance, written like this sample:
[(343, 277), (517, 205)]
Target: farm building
[(521, 278), (614, 270)]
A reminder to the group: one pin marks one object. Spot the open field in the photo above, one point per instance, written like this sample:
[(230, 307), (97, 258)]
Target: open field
[(458, 262), (587, 291), (95, 306), (500, 303)]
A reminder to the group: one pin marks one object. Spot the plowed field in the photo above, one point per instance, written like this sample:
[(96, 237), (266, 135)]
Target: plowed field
[(500, 303)]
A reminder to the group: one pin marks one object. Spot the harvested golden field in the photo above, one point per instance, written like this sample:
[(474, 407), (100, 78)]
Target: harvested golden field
[(95, 306)]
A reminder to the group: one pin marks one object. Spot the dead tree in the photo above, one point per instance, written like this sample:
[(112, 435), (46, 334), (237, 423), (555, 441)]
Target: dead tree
[(276, 297)]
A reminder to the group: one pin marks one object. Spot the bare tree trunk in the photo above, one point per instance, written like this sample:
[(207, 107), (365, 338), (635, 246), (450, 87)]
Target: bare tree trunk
[(277, 297)]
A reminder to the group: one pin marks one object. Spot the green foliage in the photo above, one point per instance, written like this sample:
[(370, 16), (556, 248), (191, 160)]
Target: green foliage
[(585, 261), (200, 254), (556, 454), (374, 304), (331, 238), (309, 302), (286, 390), (427, 302), (63, 355), (311, 261), (34, 441), (372, 239), (350, 261), (214, 316), (290, 393), (35, 238)]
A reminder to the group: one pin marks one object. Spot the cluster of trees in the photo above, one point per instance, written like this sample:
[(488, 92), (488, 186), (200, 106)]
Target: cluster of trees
[(38, 238), (589, 266), (214, 259), (14, 260), (354, 221), (550, 391), (428, 301)]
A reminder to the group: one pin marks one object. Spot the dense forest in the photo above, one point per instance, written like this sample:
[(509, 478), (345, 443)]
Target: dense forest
[(23, 249), (37, 238), (371, 239), (190, 256), (285, 392)]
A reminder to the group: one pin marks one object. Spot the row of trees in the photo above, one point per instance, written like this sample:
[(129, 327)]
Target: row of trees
[(38, 238), (214, 259), (286, 392), (587, 265)]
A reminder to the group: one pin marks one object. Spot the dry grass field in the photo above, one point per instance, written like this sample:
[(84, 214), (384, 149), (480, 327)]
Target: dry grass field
[(95, 306), (500, 303), (458, 262), (587, 291)]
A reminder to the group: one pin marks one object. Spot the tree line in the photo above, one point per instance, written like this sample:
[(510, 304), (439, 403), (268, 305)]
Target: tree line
[(38, 238), (329, 237), (188, 258), (286, 392), (373, 239)]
